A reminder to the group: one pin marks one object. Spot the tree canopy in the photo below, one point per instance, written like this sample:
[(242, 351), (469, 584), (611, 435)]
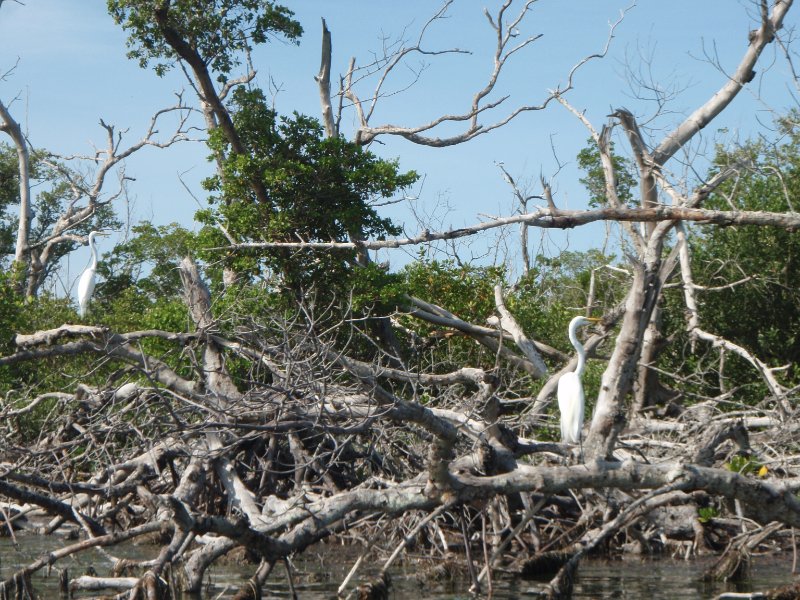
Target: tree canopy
[(217, 32)]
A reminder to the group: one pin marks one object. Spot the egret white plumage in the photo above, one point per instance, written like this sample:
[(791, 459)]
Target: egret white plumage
[(88, 278), (570, 388)]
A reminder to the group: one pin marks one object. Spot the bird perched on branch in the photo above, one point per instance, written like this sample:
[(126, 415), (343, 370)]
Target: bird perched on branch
[(88, 277), (570, 388)]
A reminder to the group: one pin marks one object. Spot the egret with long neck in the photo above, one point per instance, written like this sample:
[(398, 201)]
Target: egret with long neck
[(570, 388), (88, 277)]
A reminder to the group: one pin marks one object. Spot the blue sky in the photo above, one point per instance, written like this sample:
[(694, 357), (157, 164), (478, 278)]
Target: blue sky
[(71, 70)]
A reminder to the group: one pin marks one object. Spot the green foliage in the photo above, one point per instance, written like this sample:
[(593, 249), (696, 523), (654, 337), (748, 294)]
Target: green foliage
[(595, 182), (707, 513), (11, 316), (9, 198), (128, 311), (749, 275), (465, 290), (18, 379), (147, 261), (319, 190), (289, 184), (148, 301), (374, 287), (543, 302), (562, 283), (131, 309), (745, 465), (141, 287), (219, 31), (762, 314)]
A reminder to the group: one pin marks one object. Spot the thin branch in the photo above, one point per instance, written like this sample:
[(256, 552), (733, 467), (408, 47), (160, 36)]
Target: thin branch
[(703, 115), (547, 218)]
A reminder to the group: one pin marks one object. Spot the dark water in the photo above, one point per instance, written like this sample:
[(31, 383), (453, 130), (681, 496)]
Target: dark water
[(318, 575), (669, 579)]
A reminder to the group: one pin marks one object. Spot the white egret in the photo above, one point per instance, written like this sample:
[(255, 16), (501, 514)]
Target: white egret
[(87, 280), (570, 388)]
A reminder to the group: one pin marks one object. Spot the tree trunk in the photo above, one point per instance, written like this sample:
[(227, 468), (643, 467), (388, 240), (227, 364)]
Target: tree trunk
[(21, 252), (609, 417)]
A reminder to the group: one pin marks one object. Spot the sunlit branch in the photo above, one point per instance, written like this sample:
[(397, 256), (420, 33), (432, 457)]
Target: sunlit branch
[(559, 219)]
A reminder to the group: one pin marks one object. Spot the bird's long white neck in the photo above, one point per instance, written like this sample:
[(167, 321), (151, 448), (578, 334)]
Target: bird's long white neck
[(93, 264), (573, 337)]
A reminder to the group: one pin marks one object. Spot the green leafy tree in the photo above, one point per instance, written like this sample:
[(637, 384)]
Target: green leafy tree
[(141, 286), (147, 262), (558, 289), (562, 283), (218, 32), (211, 38), (9, 198), (318, 189), (594, 180), (279, 179), (466, 291), (752, 274)]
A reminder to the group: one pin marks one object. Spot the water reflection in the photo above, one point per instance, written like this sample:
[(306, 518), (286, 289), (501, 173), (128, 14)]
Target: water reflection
[(317, 577), (664, 579)]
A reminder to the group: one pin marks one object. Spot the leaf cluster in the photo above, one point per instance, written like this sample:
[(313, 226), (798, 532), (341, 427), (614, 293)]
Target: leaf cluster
[(749, 277), (319, 189), (9, 197), (218, 31), (594, 181), (147, 261)]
